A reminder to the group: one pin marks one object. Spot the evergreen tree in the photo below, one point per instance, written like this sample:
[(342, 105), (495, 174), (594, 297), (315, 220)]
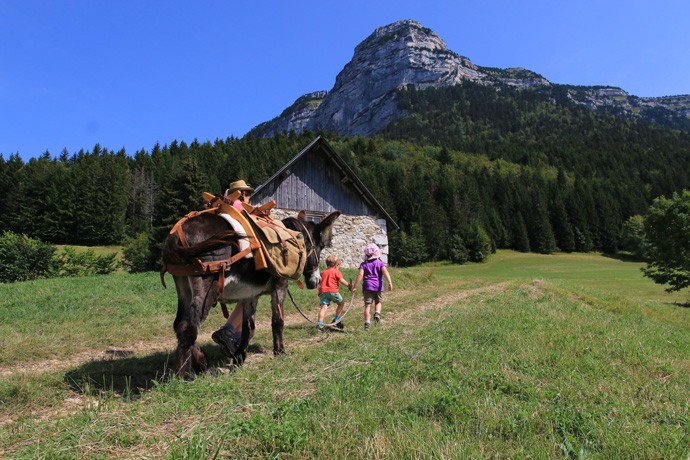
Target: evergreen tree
[(540, 232), (38, 199), (408, 248), (141, 203), (111, 218), (180, 196), (562, 229), (11, 174), (520, 237), (458, 252)]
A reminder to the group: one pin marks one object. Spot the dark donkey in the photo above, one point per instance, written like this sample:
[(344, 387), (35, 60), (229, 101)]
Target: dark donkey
[(210, 238)]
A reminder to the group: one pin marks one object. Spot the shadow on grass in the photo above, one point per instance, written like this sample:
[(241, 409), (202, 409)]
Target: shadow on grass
[(133, 376), (623, 257), (678, 304), (305, 326)]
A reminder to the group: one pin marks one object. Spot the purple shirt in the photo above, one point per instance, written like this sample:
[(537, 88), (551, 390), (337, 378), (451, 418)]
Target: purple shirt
[(373, 275)]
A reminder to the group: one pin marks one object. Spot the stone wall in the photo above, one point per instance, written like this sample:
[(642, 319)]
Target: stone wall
[(350, 234)]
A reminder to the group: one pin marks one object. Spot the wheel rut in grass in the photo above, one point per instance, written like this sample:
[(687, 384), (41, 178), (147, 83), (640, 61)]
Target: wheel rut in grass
[(167, 345), (404, 306)]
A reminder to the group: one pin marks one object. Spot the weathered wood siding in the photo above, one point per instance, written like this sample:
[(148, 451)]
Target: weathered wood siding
[(318, 181), (315, 184)]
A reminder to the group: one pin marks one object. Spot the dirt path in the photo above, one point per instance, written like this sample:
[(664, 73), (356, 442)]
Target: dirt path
[(69, 362), (167, 344), (398, 315)]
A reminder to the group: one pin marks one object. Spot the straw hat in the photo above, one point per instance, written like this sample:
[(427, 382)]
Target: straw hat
[(239, 185)]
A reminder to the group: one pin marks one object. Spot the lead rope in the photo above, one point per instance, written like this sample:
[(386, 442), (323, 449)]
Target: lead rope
[(352, 299)]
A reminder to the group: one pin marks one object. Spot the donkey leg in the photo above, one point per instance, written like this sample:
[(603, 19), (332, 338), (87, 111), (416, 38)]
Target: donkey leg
[(248, 311), (189, 359), (192, 310), (186, 337), (277, 316), (207, 286)]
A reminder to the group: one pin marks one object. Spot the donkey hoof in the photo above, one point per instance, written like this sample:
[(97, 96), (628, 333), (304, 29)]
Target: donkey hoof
[(239, 358)]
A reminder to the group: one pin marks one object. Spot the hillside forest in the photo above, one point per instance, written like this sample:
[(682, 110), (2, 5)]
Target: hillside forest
[(518, 169)]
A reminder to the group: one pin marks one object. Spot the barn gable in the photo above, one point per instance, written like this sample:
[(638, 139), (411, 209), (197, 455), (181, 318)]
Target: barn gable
[(319, 181)]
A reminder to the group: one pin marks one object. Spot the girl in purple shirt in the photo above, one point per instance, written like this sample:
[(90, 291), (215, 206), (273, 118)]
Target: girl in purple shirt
[(372, 271)]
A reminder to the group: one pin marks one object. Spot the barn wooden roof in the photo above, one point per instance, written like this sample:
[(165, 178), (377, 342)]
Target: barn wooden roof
[(336, 160)]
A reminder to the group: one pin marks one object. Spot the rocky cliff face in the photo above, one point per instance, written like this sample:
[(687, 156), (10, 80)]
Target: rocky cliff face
[(363, 100)]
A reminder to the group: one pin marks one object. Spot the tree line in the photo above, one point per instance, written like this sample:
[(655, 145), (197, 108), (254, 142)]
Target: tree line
[(468, 170)]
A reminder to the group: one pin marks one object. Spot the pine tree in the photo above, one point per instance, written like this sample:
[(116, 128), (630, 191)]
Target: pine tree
[(10, 182), (177, 198)]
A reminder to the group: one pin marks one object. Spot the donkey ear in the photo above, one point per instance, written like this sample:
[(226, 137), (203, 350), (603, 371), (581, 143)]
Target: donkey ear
[(328, 220), (302, 215)]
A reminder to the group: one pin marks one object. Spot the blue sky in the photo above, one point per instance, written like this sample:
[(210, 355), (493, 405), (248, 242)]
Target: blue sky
[(128, 74)]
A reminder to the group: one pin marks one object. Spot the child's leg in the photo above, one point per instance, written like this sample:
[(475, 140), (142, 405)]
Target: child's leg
[(339, 310), (367, 312), (377, 313), (367, 304), (322, 312), (367, 315)]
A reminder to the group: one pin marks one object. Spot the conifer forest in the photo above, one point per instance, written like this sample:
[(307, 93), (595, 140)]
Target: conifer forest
[(517, 169)]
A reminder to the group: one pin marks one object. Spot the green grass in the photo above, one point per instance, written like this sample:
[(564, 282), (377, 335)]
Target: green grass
[(577, 271), (567, 356), (54, 318), (98, 250)]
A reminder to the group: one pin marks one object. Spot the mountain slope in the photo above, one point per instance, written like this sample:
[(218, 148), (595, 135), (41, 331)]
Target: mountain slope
[(364, 101)]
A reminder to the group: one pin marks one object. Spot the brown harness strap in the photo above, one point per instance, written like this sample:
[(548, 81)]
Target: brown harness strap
[(280, 312), (177, 228), (197, 267), (224, 307)]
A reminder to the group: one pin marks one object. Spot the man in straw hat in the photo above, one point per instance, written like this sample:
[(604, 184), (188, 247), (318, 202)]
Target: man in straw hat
[(228, 336)]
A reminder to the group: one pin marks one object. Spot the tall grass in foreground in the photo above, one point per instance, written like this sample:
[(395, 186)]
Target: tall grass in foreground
[(469, 363)]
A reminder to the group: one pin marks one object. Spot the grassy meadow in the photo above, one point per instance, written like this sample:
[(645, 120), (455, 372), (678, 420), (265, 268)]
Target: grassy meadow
[(525, 356)]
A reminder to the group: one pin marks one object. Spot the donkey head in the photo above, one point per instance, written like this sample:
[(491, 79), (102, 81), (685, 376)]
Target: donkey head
[(316, 237)]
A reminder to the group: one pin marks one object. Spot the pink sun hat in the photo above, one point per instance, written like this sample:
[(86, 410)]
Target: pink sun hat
[(371, 251)]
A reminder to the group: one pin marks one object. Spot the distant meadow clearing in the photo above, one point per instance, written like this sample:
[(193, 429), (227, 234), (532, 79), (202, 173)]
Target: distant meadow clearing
[(525, 356)]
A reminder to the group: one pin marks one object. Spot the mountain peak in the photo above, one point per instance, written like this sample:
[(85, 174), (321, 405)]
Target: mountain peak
[(403, 54), (406, 31), (398, 55)]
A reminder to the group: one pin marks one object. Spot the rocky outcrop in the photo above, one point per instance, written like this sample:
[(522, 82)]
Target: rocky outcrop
[(403, 54), (296, 116)]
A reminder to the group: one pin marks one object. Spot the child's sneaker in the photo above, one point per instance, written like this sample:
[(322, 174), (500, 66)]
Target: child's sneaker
[(339, 324), (366, 325), (320, 327), (377, 317)]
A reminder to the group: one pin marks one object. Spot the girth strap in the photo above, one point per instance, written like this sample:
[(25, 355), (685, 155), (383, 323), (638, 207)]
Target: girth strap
[(198, 268)]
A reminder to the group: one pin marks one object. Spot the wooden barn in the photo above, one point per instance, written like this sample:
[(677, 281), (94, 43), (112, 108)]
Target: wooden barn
[(319, 181)]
